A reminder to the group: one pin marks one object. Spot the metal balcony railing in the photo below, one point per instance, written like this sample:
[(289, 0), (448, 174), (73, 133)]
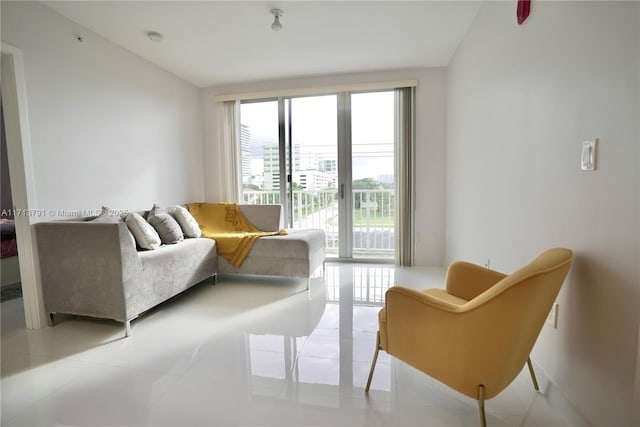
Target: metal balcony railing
[(373, 217)]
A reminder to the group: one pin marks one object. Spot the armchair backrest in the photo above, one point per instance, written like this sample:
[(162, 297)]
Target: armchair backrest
[(505, 320)]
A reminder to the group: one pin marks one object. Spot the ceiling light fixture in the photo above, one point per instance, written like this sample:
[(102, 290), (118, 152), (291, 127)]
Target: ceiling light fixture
[(277, 13), (154, 36)]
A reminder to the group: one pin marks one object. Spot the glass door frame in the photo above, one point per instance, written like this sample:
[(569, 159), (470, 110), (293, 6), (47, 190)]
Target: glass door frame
[(285, 160), (345, 196)]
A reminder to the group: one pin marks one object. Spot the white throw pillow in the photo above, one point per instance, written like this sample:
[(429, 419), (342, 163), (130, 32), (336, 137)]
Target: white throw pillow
[(145, 235), (187, 222)]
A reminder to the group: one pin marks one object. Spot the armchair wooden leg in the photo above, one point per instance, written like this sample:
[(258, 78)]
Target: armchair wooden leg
[(533, 374), (373, 363), (483, 418)]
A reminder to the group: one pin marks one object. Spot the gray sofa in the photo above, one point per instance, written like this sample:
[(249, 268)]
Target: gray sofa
[(91, 268)]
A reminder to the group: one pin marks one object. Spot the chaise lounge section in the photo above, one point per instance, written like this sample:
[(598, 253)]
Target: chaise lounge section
[(297, 254)]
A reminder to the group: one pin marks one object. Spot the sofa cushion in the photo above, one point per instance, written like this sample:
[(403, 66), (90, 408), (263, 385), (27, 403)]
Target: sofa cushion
[(187, 222), (297, 243), (172, 269), (167, 227), (145, 235), (263, 217)]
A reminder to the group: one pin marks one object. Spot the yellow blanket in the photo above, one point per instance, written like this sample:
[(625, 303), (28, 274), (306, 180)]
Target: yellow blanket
[(224, 223)]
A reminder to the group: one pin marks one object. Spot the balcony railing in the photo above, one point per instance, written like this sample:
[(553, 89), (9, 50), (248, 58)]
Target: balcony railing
[(373, 217)]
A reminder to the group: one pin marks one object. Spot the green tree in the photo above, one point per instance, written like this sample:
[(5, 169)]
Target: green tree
[(384, 201), (365, 184)]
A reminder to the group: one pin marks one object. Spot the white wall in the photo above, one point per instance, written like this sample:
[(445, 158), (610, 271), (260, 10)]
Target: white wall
[(521, 101), (430, 145), (107, 127)]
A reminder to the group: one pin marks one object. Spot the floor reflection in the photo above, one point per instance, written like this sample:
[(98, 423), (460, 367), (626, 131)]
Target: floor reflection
[(367, 283), (325, 341)]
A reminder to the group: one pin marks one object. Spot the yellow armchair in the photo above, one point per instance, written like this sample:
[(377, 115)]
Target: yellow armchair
[(476, 334)]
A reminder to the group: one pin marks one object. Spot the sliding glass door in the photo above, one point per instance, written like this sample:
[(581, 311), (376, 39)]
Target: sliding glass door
[(312, 143), (372, 174), (329, 161)]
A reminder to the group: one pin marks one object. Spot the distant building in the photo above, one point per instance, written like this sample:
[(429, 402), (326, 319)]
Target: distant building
[(328, 166), (271, 156), (314, 179), (245, 152), (309, 171)]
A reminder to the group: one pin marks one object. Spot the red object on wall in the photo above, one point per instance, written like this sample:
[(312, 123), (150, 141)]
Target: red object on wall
[(524, 7)]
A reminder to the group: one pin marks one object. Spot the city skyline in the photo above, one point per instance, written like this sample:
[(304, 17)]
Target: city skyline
[(314, 131)]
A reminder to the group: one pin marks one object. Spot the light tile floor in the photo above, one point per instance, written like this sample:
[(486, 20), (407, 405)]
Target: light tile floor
[(246, 351)]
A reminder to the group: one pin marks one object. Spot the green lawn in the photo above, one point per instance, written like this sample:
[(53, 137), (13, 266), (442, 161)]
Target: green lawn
[(360, 219), (376, 219)]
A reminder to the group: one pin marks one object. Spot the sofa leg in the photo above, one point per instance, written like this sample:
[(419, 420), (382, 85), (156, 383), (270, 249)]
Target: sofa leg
[(215, 279), (127, 328), (50, 320), (308, 282)]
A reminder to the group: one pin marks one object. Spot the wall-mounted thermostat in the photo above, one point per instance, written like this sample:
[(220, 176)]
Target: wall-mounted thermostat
[(588, 157)]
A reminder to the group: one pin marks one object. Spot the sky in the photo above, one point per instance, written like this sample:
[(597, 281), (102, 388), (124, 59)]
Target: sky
[(314, 126)]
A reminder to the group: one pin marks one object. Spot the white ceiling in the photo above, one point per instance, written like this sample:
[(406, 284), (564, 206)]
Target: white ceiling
[(211, 43)]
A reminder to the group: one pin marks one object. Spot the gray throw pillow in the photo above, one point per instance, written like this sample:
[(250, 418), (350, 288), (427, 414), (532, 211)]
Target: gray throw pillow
[(187, 222), (106, 216), (167, 227), (145, 235)]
